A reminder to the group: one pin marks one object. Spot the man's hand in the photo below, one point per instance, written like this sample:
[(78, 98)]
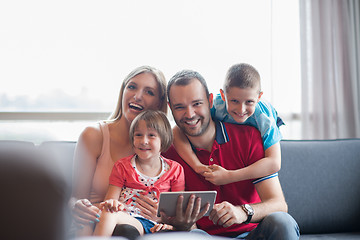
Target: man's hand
[(226, 214), (217, 175), (112, 205), (184, 221)]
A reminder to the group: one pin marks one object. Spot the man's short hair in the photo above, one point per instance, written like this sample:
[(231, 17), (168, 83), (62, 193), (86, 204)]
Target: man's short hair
[(242, 75), (183, 78)]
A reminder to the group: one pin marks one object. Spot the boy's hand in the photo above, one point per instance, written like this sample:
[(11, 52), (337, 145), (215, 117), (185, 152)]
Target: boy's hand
[(111, 205), (201, 169), (218, 175), (161, 227)]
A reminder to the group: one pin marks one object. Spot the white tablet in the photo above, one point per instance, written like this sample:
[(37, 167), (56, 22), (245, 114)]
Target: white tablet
[(168, 201)]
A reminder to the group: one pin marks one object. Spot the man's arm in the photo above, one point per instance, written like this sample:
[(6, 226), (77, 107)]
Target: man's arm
[(272, 200)]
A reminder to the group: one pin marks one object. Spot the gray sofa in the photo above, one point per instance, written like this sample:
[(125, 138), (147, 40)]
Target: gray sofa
[(320, 180)]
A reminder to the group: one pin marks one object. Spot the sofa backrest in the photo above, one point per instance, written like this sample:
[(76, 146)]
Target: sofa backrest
[(61, 154), (321, 183), (320, 180)]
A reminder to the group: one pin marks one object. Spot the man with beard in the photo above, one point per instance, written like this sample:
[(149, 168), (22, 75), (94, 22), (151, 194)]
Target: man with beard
[(255, 209)]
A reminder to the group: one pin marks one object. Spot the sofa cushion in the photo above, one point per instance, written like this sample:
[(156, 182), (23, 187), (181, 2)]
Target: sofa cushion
[(321, 183), (332, 236)]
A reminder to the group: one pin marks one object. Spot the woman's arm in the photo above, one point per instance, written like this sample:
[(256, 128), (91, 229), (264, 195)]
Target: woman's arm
[(87, 150)]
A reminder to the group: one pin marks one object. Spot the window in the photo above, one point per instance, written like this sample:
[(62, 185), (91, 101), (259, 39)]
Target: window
[(66, 60)]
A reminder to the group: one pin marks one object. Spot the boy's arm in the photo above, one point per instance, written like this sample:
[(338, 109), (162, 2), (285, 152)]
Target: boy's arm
[(268, 165), (183, 148)]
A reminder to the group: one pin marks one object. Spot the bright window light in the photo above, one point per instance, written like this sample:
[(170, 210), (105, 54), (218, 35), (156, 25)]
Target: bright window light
[(73, 55)]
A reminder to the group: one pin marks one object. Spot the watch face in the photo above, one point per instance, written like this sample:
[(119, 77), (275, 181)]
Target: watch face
[(249, 209)]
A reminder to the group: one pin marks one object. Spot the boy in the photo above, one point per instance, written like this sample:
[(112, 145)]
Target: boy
[(240, 103)]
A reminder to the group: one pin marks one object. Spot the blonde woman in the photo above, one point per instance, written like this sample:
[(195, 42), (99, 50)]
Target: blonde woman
[(101, 145)]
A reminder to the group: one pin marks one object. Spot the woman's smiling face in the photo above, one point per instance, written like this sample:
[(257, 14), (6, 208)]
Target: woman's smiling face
[(140, 93)]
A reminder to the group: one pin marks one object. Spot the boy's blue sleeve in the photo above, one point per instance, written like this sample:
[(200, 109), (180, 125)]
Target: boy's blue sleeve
[(219, 111), (265, 119)]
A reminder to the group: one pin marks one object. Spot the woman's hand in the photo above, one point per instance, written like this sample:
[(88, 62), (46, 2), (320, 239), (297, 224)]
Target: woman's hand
[(147, 206), (84, 212)]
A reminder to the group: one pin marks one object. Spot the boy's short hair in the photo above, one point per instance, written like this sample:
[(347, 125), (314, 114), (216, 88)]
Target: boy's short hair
[(242, 75), (183, 78), (156, 120)]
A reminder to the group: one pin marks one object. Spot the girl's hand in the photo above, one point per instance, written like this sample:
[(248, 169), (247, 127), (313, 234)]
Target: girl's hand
[(147, 206), (161, 227), (112, 205), (218, 175), (84, 212)]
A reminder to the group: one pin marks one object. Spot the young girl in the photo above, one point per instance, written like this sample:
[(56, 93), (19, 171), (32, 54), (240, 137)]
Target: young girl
[(146, 173)]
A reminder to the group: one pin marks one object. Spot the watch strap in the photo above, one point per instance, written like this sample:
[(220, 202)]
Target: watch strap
[(248, 213)]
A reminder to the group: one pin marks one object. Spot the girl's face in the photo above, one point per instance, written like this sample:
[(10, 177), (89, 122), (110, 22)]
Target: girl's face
[(140, 93), (241, 102), (147, 142)]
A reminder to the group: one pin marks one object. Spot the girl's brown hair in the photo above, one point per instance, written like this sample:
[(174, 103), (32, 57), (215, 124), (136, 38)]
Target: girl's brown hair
[(156, 120)]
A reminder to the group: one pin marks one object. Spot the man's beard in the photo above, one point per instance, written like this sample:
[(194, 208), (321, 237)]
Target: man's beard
[(204, 126)]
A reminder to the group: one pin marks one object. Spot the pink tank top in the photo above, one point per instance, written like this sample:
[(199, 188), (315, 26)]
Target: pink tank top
[(103, 169)]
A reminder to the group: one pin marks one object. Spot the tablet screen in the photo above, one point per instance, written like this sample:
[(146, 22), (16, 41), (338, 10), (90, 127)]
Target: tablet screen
[(168, 201)]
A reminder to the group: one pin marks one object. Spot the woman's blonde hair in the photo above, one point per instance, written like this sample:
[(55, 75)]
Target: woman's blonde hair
[(159, 77), (158, 121)]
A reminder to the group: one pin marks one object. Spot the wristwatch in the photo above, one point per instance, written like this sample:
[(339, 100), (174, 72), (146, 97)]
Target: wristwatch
[(249, 211)]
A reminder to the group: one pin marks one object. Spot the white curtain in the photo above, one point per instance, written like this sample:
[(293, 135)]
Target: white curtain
[(330, 68)]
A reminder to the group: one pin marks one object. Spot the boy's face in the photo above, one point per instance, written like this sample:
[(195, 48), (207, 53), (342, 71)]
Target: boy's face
[(241, 102)]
